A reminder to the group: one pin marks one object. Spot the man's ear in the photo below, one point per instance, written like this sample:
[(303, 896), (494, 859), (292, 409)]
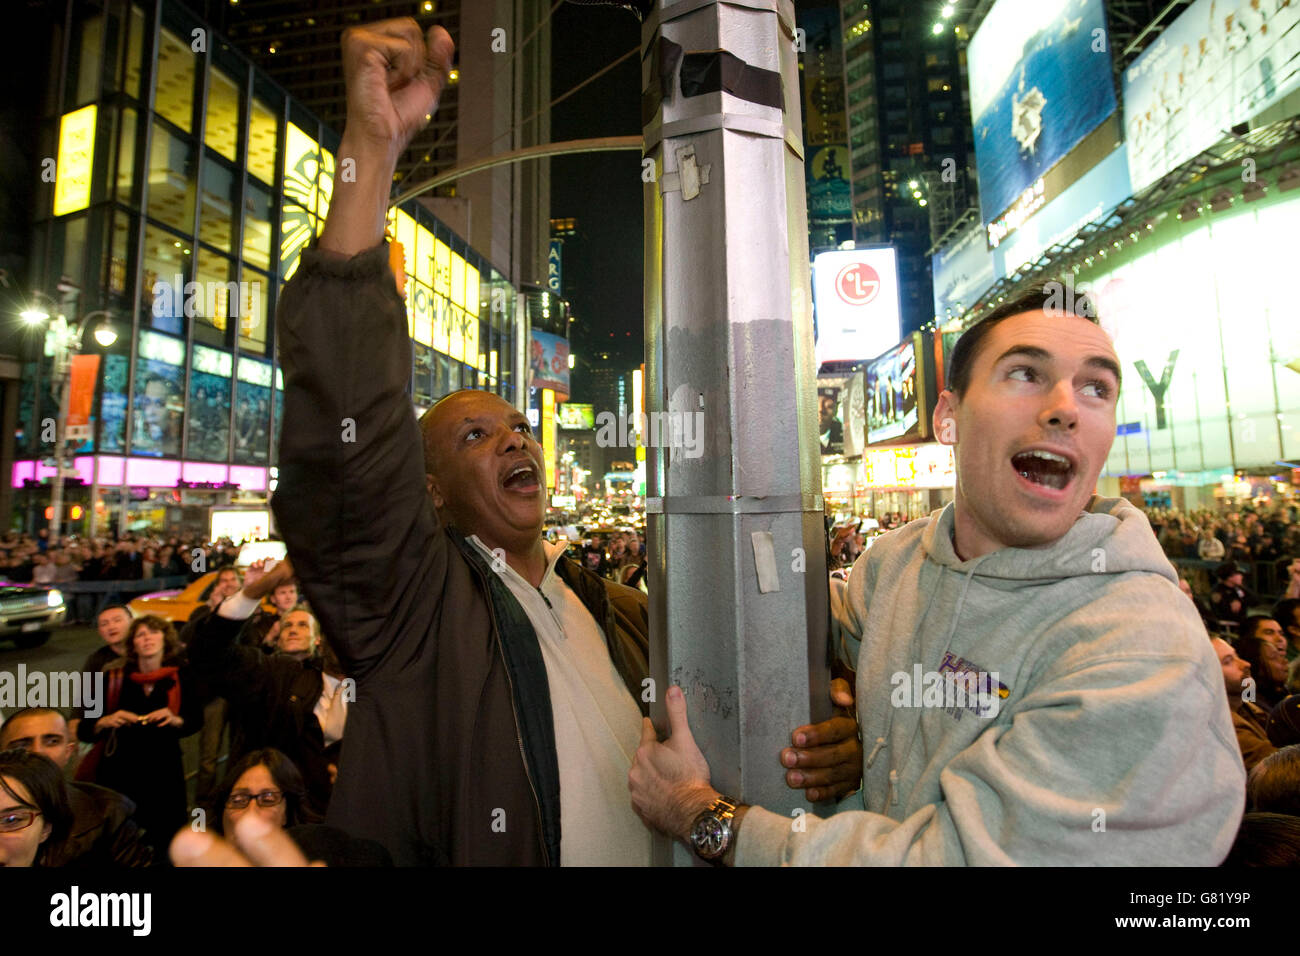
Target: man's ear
[(945, 418), (432, 485)]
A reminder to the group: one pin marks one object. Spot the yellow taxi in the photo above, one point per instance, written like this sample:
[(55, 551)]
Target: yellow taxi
[(178, 604)]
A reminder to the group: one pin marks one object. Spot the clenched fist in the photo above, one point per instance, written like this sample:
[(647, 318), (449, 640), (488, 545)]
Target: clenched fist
[(394, 76)]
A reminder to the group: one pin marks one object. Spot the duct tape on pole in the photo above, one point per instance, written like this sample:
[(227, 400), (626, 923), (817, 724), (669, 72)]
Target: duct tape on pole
[(737, 579)]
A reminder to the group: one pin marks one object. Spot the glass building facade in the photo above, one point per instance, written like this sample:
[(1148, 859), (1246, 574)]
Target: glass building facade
[(187, 186)]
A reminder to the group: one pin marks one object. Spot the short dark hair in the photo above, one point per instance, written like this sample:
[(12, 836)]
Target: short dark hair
[(30, 712), (1055, 297), (43, 779), (1251, 628), (1284, 612), (114, 607), (284, 772), (1266, 839), (1273, 784)]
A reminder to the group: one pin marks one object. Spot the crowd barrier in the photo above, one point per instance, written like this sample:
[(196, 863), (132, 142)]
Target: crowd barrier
[(1267, 579)]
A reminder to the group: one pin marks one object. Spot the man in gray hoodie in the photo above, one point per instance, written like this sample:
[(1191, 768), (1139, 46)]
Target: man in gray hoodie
[(1031, 687)]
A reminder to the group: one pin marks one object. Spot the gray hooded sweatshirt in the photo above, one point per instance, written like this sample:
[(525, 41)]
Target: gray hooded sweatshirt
[(1094, 727)]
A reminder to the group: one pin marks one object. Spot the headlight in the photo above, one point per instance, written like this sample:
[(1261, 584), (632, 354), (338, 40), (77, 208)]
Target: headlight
[(56, 598)]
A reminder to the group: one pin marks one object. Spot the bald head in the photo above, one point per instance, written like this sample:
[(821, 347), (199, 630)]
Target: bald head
[(437, 423), (483, 468)]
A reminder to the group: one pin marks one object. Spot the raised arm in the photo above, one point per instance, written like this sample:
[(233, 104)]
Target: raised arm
[(351, 502)]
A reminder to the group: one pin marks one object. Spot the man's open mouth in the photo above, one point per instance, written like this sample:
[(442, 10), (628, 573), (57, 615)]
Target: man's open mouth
[(1044, 468), (521, 478)]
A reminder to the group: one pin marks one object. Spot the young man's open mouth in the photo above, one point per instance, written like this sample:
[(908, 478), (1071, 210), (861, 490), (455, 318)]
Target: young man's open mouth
[(1044, 470)]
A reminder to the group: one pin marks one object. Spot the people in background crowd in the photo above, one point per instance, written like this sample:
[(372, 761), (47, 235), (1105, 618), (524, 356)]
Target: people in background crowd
[(1249, 720), (102, 832), (34, 812), (150, 705)]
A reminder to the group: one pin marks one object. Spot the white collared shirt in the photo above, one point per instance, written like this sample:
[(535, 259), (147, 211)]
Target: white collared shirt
[(597, 721)]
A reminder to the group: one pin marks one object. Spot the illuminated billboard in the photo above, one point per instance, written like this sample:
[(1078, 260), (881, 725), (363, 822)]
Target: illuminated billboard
[(76, 160), (576, 416), (855, 298), (899, 397), (1210, 353), (1029, 110), (548, 364), (1222, 62)]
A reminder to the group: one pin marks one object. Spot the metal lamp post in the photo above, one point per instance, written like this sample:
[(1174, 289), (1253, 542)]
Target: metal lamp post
[(67, 342)]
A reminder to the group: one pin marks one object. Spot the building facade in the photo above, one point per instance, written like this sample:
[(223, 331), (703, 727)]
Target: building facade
[(187, 186)]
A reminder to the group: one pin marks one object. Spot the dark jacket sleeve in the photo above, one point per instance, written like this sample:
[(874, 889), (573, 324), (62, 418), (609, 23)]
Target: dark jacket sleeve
[(194, 698), (232, 670), (121, 842), (351, 503)]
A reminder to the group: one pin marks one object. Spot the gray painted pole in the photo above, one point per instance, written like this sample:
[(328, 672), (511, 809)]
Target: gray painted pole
[(737, 574)]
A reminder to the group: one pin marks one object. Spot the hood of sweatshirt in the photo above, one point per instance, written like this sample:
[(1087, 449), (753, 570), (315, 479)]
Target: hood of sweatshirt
[(1111, 537)]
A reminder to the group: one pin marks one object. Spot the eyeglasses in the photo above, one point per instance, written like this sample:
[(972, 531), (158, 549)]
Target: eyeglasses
[(14, 820), (267, 798)]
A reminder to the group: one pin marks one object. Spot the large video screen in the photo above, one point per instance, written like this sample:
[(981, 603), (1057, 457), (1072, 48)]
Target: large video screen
[(893, 408), (1040, 81)]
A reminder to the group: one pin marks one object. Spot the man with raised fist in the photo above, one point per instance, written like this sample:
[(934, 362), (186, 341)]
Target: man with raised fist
[(500, 687)]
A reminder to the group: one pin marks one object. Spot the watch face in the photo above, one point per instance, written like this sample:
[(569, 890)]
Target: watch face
[(708, 836)]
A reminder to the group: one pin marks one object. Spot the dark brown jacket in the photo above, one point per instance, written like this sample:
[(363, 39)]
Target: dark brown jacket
[(449, 756)]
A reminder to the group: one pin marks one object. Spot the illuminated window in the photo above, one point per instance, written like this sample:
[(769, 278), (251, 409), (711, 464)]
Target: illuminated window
[(171, 180), (257, 226), (221, 126), (218, 199), (174, 97), (262, 142)]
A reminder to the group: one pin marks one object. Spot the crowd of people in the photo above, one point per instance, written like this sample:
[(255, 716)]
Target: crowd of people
[(26, 559), (504, 688), (250, 660)]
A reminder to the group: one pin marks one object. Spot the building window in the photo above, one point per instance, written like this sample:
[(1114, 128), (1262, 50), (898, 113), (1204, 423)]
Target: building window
[(174, 96), (263, 141), (213, 306), (257, 226), (166, 269), (221, 125), (255, 287), (208, 433), (252, 412), (112, 404), (159, 396), (171, 180), (216, 217), (89, 61)]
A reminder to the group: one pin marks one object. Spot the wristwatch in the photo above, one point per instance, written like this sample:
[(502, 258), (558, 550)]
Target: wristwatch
[(711, 833)]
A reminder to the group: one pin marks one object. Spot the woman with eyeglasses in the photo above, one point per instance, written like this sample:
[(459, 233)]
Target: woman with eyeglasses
[(34, 811), (152, 701), (266, 783)]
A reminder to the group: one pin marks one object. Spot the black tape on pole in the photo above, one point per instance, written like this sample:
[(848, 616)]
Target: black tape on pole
[(710, 71), (663, 67)]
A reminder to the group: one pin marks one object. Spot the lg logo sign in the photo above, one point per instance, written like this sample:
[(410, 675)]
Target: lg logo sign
[(857, 283)]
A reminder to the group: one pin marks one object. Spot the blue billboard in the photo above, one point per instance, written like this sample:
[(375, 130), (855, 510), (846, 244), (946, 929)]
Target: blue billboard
[(1040, 81)]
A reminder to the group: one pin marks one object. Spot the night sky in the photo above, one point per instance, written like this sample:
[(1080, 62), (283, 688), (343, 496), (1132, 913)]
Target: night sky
[(602, 191)]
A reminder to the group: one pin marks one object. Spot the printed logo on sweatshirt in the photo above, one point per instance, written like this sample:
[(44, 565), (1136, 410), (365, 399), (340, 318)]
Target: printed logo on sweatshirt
[(956, 687)]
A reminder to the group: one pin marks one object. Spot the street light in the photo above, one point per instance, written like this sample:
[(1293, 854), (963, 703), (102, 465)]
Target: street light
[(937, 29), (68, 341), (947, 11)]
